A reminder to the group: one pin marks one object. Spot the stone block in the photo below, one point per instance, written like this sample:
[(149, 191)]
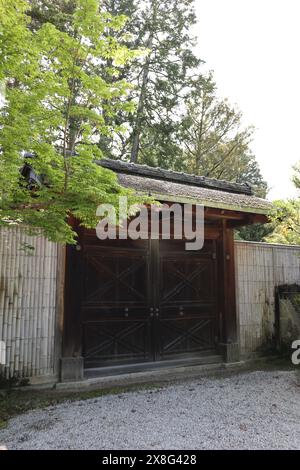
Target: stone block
[(230, 352), (71, 369)]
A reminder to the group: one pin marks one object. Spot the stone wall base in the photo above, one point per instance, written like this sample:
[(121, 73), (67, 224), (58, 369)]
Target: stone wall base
[(230, 352), (71, 369)]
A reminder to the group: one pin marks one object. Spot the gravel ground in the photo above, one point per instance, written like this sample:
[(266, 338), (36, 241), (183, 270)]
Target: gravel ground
[(257, 410)]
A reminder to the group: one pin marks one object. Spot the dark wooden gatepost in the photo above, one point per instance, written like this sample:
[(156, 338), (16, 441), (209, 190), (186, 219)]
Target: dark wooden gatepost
[(72, 367), (227, 221), (229, 334)]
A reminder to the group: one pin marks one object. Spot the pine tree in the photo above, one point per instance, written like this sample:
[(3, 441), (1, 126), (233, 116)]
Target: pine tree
[(214, 142), (161, 79), (57, 12)]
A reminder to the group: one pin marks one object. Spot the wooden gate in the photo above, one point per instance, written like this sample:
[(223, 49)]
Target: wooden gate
[(115, 303), (187, 299), (146, 300)]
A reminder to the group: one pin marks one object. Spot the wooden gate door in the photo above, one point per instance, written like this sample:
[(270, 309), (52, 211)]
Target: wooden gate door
[(115, 303), (146, 300), (187, 307)]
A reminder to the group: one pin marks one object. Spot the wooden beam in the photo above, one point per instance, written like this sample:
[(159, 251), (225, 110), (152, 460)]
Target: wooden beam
[(223, 214), (249, 219), (260, 219)]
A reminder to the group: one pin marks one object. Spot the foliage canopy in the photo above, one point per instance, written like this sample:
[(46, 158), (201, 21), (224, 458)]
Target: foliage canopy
[(54, 107)]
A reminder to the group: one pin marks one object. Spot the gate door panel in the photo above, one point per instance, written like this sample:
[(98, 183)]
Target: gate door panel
[(187, 300), (115, 305), (143, 301)]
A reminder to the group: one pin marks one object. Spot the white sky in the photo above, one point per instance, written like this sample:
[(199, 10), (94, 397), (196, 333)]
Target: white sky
[(253, 46)]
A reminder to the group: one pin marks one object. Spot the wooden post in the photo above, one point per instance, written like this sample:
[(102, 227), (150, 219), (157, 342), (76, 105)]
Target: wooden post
[(59, 314), (229, 344), (71, 337), (72, 361)]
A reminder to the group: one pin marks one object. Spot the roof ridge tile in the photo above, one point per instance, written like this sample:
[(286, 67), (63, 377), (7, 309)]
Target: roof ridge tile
[(121, 166)]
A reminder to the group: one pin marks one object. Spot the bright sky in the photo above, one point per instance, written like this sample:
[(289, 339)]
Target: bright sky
[(253, 46)]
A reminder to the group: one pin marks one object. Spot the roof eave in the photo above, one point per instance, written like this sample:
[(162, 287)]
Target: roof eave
[(205, 203)]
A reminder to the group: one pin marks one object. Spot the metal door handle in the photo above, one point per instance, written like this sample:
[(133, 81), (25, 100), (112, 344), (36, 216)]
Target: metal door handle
[(126, 310)]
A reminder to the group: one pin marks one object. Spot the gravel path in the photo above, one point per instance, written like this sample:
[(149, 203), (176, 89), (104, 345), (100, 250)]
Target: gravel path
[(257, 410)]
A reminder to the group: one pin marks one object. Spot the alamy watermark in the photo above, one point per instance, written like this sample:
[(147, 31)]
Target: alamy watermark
[(164, 221), (296, 354), (2, 353)]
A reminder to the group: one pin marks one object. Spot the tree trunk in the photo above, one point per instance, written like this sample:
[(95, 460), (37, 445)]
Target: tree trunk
[(137, 128)]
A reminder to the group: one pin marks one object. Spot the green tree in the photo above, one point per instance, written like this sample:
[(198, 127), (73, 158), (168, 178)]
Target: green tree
[(286, 222), (286, 217), (13, 32), (179, 122), (57, 12), (55, 100), (215, 144), (161, 78), (164, 79), (255, 232)]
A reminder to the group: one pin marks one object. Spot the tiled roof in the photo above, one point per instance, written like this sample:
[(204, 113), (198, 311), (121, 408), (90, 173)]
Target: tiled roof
[(166, 185)]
